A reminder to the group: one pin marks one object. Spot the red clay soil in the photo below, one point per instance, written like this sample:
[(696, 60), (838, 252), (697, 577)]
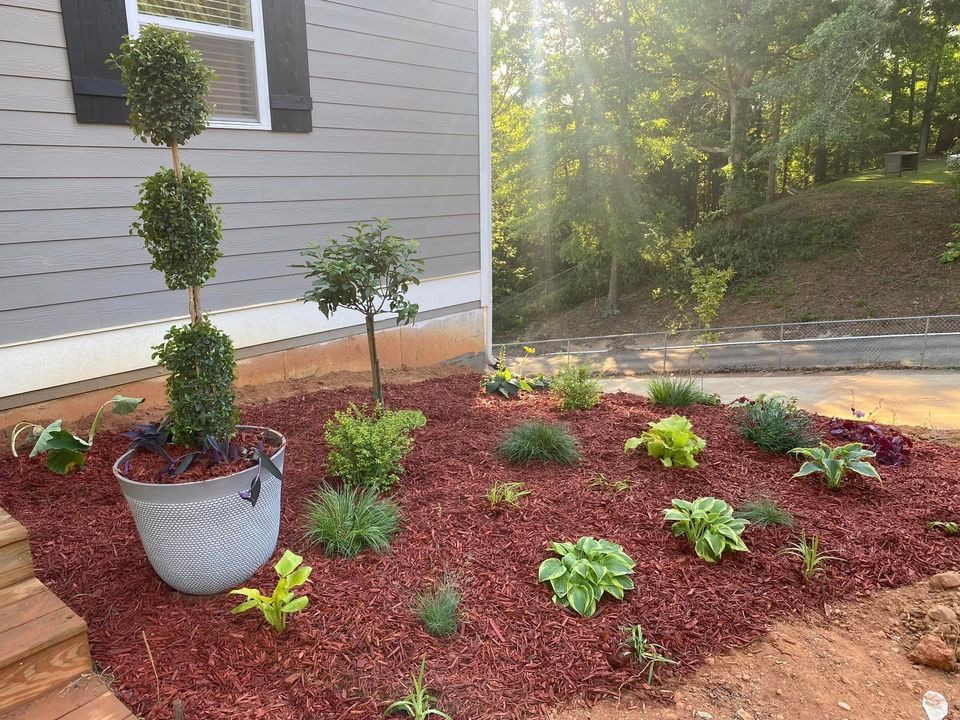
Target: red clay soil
[(517, 655)]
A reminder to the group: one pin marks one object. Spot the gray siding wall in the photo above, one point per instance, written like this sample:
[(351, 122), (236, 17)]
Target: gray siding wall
[(395, 116)]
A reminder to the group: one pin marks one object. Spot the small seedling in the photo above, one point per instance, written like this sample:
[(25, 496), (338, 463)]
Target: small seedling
[(419, 704), (645, 653), (283, 601), (947, 527), (600, 482), (506, 494), (808, 550), (439, 608)]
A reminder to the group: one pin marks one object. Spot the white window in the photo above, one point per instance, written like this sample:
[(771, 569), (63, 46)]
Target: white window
[(229, 35)]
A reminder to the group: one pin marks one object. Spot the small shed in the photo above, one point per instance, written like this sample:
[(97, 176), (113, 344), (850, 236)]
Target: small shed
[(900, 162)]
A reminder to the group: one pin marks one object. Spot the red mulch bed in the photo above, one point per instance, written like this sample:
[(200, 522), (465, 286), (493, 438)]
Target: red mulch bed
[(517, 655)]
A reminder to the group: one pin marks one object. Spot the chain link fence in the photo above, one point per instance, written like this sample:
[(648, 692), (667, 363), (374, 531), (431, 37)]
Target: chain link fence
[(927, 341)]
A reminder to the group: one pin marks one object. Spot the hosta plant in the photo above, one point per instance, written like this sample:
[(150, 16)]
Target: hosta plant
[(835, 463), (63, 451), (670, 440), (284, 600), (710, 526), (586, 571)]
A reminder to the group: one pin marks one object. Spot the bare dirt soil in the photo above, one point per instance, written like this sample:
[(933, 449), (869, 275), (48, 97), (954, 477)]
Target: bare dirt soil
[(847, 663)]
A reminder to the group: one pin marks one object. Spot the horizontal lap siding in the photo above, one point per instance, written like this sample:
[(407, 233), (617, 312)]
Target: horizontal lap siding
[(395, 116)]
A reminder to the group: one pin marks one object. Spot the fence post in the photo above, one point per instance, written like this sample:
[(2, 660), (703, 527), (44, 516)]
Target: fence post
[(926, 334), (666, 338), (780, 352)]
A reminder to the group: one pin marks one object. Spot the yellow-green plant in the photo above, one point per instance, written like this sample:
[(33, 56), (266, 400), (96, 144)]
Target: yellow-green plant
[(671, 440), (808, 550), (506, 494), (284, 600), (645, 653), (585, 572), (710, 526), (419, 704), (835, 463)]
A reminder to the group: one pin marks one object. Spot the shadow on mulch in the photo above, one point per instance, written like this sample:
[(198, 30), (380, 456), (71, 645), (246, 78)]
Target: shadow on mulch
[(517, 655)]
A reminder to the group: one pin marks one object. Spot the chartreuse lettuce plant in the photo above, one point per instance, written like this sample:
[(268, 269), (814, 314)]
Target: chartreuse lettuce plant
[(586, 571), (671, 440), (710, 526), (63, 451), (284, 600), (835, 463)]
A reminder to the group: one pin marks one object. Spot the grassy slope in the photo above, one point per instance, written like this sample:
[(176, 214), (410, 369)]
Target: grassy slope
[(890, 268)]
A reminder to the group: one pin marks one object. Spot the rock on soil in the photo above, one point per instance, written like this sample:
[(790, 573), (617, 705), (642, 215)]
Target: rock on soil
[(945, 581), (933, 652)]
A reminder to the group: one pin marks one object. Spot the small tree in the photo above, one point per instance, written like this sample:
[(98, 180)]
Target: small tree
[(167, 86), (369, 271)]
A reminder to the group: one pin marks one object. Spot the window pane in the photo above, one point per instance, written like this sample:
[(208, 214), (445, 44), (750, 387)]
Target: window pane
[(231, 13), (234, 92)]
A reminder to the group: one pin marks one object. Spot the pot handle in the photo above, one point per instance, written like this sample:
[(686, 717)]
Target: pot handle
[(253, 494)]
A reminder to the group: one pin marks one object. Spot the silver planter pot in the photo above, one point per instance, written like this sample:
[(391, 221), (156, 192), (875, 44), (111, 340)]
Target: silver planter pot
[(203, 538)]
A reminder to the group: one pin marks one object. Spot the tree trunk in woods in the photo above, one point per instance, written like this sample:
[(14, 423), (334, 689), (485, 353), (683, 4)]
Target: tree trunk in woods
[(374, 361), (773, 160), (785, 177), (193, 293), (929, 104), (737, 186), (912, 105), (613, 288), (820, 162), (896, 84)]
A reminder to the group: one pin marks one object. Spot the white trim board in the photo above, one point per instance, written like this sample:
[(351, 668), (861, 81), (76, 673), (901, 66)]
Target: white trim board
[(486, 168), (75, 358)]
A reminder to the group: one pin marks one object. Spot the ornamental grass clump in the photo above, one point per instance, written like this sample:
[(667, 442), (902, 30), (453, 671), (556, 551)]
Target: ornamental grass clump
[(775, 424), (439, 608), (167, 87), (538, 442), (678, 392), (765, 512), (671, 440), (348, 521)]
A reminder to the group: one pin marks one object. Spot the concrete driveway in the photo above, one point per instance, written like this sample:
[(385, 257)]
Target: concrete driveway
[(908, 397)]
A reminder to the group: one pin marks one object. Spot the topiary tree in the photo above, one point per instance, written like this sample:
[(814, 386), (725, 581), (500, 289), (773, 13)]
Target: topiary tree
[(167, 86), (369, 271)]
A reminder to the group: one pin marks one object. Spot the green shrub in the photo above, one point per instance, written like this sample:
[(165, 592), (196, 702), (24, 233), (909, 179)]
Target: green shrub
[(672, 440), (585, 572), (575, 387), (710, 526), (775, 424), (537, 441), (348, 521), (367, 449), (678, 392), (764, 512), (439, 608), (201, 362), (835, 463), (506, 494)]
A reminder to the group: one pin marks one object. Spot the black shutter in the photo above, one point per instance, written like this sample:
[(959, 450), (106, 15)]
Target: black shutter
[(285, 31), (93, 31)]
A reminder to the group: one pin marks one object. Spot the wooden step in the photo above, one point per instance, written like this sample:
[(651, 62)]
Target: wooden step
[(16, 563), (43, 644), (87, 698)]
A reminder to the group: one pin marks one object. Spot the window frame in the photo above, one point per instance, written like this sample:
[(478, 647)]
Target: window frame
[(136, 19)]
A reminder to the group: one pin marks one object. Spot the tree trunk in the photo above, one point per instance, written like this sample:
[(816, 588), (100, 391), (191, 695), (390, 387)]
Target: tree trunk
[(773, 160), (912, 105), (374, 362), (929, 103), (193, 293), (896, 84), (820, 162), (613, 288), (738, 79)]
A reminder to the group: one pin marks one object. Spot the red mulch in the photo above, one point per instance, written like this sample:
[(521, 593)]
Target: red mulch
[(517, 654)]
